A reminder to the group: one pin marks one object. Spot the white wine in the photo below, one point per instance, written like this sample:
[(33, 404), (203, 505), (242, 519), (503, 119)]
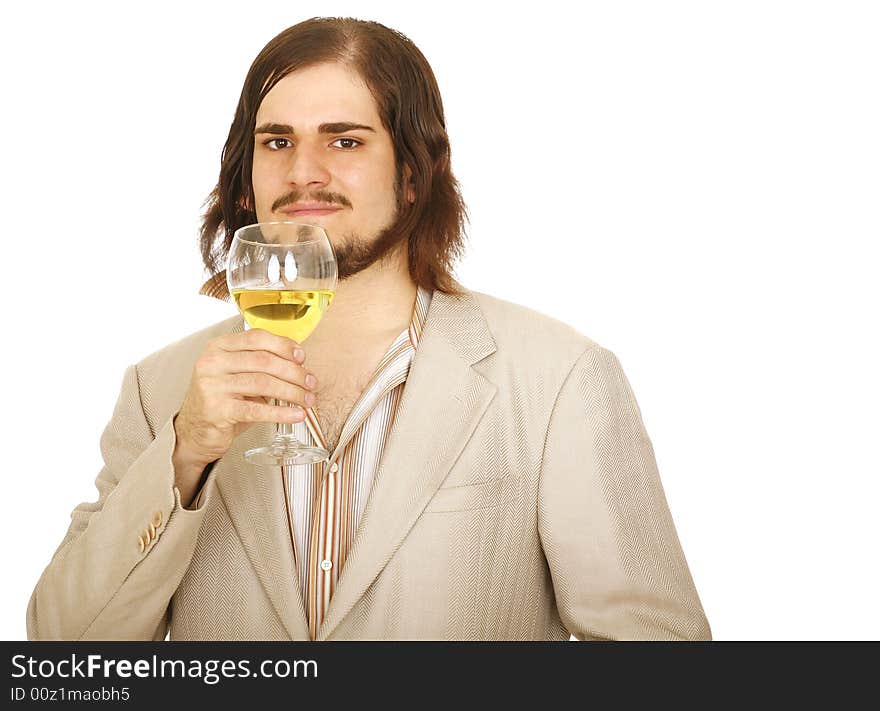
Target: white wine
[(292, 313)]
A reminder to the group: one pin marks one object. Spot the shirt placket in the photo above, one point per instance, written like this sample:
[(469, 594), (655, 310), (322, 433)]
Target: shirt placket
[(331, 514)]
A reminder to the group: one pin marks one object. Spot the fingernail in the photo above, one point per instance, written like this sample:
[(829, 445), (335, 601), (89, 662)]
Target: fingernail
[(310, 399), (311, 380), (299, 354)]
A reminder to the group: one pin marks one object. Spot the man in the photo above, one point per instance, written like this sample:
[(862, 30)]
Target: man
[(490, 476)]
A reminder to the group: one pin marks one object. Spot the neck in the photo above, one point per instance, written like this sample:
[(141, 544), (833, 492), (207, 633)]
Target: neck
[(375, 304)]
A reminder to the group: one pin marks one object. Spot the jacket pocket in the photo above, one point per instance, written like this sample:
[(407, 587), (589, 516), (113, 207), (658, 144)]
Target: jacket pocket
[(486, 494)]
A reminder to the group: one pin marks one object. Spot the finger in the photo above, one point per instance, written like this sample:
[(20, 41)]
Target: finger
[(230, 363), (258, 339), (265, 385), (249, 411)]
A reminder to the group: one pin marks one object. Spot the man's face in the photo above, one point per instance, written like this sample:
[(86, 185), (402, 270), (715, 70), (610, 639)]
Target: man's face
[(312, 161)]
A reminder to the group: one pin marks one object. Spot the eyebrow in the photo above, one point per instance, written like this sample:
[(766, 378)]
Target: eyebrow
[(282, 129)]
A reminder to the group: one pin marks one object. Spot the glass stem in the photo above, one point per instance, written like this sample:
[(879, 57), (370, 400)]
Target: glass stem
[(284, 429)]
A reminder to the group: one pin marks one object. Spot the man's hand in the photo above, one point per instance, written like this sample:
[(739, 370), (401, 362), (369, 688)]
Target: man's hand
[(231, 384)]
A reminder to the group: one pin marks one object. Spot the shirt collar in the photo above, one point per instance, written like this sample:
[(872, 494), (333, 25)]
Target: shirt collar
[(420, 313)]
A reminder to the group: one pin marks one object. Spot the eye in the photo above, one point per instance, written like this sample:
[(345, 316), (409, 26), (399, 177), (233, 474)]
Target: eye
[(272, 140), (349, 140)]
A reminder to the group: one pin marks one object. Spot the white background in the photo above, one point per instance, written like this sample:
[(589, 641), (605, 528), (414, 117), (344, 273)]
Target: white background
[(694, 185)]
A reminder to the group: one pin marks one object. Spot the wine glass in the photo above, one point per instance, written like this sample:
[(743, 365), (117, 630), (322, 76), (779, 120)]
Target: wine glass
[(282, 276)]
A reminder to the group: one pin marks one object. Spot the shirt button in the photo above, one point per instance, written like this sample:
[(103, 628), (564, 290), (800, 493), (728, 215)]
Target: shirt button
[(334, 468), (326, 565)]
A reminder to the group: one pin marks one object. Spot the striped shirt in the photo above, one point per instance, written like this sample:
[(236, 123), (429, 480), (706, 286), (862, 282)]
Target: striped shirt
[(325, 500)]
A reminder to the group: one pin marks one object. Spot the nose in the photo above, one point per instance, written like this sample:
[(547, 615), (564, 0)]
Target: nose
[(307, 166)]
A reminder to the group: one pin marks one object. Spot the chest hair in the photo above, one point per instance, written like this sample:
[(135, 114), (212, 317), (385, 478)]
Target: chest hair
[(334, 404)]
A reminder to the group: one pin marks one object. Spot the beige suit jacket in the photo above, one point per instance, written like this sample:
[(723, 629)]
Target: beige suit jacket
[(517, 498)]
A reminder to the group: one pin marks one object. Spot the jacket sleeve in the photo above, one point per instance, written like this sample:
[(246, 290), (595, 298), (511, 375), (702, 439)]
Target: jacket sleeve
[(618, 569), (99, 584)]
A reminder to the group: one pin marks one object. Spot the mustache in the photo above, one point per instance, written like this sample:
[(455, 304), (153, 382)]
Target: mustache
[(318, 196)]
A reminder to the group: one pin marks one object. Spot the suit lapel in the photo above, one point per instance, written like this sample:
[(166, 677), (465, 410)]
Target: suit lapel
[(443, 400)]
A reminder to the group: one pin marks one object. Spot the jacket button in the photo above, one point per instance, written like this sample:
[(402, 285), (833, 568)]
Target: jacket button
[(141, 544), (152, 532), (157, 519)]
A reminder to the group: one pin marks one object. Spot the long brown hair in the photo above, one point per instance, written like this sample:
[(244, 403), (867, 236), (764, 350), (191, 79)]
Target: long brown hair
[(408, 99)]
